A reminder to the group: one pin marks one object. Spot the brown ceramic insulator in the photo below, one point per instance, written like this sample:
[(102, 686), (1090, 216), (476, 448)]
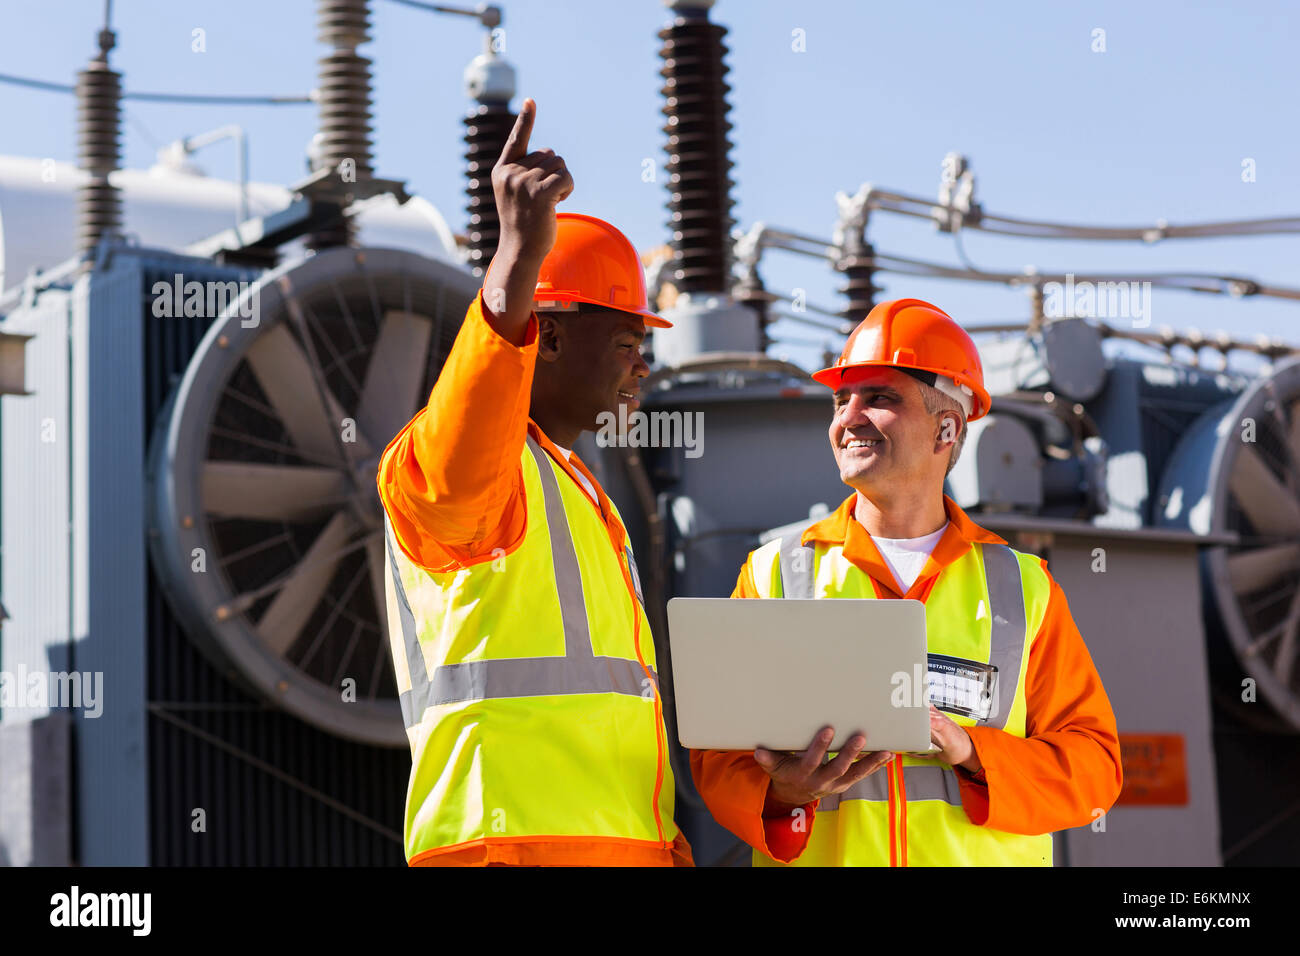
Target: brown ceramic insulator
[(699, 168)]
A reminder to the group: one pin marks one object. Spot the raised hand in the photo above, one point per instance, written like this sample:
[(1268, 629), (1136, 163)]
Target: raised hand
[(527, 187)]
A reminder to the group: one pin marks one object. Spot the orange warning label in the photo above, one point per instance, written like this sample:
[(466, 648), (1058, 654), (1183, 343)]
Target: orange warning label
[(1155, 770)]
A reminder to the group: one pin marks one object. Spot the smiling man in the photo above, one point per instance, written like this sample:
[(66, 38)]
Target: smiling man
[(522, 650), (1037, 754)]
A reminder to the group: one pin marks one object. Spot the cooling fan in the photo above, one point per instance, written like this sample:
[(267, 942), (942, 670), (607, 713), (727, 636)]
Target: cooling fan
[(1237, 471), (267, 531)]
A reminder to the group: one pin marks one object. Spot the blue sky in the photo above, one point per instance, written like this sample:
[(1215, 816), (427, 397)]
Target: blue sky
[(1156, 126)]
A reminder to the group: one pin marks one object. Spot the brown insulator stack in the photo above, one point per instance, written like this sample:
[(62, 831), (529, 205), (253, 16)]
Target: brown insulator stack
[(486, 129), (99, 107), (858, 271), (344, 102), (699, 168)]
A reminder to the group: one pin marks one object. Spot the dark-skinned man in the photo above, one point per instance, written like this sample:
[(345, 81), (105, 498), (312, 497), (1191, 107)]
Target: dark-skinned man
[(523, 653), (1039, 752)]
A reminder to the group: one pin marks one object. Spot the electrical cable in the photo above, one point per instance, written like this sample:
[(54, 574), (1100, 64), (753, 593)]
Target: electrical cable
[(961, 252), (154, 143), (822, 326), (208, 100), (922, 208)]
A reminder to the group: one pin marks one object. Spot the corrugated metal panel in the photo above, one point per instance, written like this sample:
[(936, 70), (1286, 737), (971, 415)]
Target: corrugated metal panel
[(35, 449)]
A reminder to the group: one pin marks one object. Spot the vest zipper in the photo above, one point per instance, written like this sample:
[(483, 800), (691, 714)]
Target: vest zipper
[(889, 807), (625, 565), (902, 808), (897, 813)]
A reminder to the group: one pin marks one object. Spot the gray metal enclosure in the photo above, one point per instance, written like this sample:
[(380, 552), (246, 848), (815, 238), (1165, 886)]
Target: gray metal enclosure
[(176, 734)]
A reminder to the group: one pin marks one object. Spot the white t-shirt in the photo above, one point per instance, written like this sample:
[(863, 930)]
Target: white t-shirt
[(906, 557), (568, 454)]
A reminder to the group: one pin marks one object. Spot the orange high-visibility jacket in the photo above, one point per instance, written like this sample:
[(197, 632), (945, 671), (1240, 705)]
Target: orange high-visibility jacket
[(1052, 779), (453, 489)]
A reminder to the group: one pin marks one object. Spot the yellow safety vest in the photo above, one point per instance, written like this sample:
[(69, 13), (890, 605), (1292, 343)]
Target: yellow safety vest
[(986, 606), (528, 686)]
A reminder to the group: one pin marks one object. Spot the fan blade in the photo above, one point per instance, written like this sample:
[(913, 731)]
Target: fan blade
[(236, 489), (391, 393), (285, 374), (1268, 503), (356, 447), (304, 587), (1255, 570)]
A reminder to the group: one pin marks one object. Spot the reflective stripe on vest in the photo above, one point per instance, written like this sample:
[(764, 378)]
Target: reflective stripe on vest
[(922, 783), (796, 568), (1006, 604), (413, 701), (579, 671)]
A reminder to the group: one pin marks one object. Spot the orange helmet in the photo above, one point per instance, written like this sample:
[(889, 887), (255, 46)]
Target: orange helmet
[(915, 337), (593, 262)]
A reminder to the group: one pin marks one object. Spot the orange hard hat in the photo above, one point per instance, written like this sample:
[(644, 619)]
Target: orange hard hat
[(917, 338), (593, 262)]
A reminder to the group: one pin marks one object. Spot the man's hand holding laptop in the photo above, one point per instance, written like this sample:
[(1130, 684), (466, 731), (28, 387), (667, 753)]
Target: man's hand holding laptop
[(800, 778), (955, 747)]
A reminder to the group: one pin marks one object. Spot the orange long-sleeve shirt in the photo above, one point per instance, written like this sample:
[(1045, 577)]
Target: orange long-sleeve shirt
[(1067, 765), (453, 488)]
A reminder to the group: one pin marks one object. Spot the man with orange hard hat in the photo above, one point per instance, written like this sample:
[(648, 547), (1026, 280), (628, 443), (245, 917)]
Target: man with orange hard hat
[(1025, 735), (522, 650)]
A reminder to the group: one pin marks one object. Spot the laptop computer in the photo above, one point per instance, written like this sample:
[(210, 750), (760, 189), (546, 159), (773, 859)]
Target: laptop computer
[(755, 673)]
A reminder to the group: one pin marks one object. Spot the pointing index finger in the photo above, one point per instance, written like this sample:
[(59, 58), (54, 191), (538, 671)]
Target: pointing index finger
[(517, 144)]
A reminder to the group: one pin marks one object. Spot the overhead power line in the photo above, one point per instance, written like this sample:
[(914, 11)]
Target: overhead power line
[(922, 208), (196, 98)]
